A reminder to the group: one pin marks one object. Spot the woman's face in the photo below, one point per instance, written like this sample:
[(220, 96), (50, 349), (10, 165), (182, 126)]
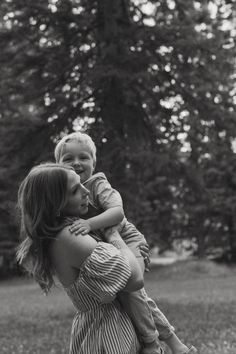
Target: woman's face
[(77, 196)]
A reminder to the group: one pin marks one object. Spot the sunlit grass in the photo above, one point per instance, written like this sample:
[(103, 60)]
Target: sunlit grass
[(198, 298)]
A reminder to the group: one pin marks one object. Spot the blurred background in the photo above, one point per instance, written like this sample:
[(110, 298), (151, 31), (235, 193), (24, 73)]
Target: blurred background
[(153, 82)]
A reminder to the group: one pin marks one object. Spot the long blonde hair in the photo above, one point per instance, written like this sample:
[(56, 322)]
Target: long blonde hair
[(41, 197)]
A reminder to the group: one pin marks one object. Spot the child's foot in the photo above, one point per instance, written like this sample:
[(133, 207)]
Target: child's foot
[(159, 351), (152, 348), (191, 350)]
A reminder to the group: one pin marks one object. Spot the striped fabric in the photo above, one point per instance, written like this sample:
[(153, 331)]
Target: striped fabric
[(100, 325)]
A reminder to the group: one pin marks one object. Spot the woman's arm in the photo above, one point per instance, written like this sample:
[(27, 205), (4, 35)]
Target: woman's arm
[(72, 250), (136, 280)]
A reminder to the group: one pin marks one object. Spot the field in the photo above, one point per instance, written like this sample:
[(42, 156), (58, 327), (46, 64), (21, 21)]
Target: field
[(199, 298)]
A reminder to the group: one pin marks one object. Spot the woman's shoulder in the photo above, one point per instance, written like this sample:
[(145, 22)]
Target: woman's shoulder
[(62, 238), (60, 242), (63, 235), (72, 248)]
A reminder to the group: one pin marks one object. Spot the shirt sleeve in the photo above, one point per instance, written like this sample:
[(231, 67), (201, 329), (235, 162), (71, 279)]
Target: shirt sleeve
[(104, 273), (107, 197)]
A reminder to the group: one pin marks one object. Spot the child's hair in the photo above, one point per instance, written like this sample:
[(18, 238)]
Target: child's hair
[(77, 137), (41, 197)]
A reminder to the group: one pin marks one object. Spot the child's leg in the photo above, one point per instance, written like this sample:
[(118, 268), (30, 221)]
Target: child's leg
[(138, 310), (132, 238), (163, 326), (165, 329)]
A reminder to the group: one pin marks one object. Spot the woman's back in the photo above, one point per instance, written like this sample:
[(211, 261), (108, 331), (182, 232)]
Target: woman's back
[(100, 325), (67, 253)]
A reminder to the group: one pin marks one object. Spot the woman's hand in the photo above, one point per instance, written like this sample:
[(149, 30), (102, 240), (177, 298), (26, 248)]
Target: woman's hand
[(145, 252)]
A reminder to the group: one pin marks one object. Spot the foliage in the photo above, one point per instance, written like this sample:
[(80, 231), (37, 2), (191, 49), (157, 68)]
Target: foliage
[(153, 82)]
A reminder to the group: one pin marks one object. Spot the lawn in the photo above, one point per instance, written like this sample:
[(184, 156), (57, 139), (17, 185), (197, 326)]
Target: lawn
[(197, 297)]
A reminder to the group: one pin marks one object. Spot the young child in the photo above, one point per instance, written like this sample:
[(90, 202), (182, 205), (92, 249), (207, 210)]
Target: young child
[(106, 210)]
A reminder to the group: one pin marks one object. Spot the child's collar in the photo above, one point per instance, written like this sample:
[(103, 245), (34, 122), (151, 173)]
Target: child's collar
[(95, 176)]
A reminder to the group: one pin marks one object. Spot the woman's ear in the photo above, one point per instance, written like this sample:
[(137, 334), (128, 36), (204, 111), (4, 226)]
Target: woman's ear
[(94, 165)]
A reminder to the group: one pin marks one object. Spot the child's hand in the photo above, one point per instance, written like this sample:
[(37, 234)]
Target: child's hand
[(80, 227), (145, 252)]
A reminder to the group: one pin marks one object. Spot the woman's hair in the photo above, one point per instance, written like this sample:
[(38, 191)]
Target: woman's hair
[(74, 137), (41, 198)]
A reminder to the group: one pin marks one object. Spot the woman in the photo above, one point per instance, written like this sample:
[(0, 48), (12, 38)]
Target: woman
[(91, 272)]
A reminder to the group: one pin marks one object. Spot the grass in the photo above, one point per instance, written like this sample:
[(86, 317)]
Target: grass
[(197, 297)]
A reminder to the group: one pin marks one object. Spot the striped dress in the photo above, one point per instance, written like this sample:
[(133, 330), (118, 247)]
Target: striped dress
[(100, 325)]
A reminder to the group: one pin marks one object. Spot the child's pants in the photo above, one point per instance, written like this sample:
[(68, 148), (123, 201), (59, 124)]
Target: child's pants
[(147, 318)]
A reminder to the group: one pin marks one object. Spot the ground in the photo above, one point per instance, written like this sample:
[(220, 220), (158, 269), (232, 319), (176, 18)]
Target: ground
[(198, 297)]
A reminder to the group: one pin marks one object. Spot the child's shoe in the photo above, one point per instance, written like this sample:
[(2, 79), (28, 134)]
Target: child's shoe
[(191, 350), (159, 351), (152, 348)]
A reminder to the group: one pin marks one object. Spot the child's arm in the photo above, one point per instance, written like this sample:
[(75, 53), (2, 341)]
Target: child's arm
[(109, 217), (108, 202)]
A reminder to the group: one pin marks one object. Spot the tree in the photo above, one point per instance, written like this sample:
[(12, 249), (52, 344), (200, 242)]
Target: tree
[(151, 81)]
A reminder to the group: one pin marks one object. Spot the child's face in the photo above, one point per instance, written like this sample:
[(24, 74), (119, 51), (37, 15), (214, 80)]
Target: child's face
[(79, 156)]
